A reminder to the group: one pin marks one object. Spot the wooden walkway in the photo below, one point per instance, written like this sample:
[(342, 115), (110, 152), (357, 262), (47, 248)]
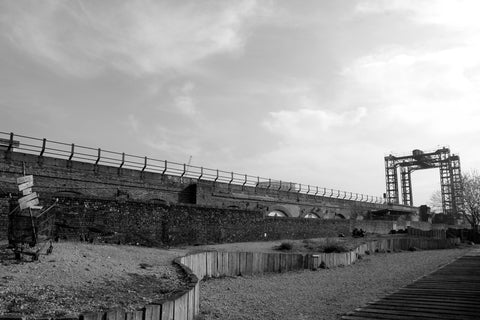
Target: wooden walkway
[(452, 292)]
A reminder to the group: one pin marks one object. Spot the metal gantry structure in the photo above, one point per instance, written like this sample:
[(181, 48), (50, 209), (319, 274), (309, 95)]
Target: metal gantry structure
[(450, 177)]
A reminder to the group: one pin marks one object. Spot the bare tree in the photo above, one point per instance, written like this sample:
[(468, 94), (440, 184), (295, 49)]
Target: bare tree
[(471, 189), (436, 202)]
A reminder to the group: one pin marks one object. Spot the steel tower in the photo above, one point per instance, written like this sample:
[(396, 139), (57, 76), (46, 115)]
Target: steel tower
[(450, 177)]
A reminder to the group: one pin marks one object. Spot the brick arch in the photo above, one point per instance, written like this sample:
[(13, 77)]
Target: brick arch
[(340, 216), (67, 193), (281, 209)]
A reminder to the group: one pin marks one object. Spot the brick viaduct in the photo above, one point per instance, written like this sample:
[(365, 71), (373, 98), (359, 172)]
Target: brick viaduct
[(56, 177)]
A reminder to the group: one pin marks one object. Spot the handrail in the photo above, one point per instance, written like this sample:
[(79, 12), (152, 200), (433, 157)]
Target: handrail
[(69, 151)]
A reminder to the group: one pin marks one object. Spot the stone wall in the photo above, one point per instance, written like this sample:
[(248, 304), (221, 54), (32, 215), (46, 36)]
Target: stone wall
[(133, 222), (4, 210)]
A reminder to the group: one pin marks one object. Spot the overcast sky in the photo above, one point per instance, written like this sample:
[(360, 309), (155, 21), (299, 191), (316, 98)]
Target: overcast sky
[(315, 92)]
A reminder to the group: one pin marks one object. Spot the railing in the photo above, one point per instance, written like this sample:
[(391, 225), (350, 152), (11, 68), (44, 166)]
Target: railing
[(97, 156)]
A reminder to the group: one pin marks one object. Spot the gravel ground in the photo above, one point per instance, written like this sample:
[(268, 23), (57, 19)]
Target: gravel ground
[(81, 277), (323, 294)]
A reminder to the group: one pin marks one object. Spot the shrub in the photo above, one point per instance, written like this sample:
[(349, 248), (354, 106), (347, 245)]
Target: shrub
[(334, 247), (285, 246)]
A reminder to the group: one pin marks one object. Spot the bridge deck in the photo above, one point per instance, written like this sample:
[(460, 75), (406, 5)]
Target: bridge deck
[(452, 292)]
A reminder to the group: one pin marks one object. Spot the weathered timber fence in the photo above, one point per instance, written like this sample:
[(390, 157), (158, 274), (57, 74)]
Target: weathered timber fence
[(214, 264), (435, 234), (185, 305)]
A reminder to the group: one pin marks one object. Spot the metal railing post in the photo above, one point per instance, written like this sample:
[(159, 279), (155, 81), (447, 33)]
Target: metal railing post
[(201, 173), (98, 156), (44, 144), (10, 143), (165, 167), (184, 170), (230, 182), (72, 152), (244, 182), (123, 160), (144, 165)]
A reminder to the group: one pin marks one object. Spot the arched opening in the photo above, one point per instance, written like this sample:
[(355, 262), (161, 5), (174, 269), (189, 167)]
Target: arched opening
[(339, 216), (277, 213), (311, 215), (67, 193)]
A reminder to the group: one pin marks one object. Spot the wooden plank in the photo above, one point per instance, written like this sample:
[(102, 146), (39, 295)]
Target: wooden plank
[(249, 263), (202, 265), (168, 308), (276, 262), (208, 264), (225, 263), (180, 307), (219, 270), (264, 265), (215, 264), (134, 315), (29, 204), (152, 312), (93, 316), (197, 299), (283, 263), (25, 186), (27, 198), (24, 179), (242, 262), (270, 262), (191, 304), (233, 263), (255, 262), (115, 314)]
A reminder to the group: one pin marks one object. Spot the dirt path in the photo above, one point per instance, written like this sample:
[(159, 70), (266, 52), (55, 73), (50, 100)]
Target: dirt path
[(323, 294)]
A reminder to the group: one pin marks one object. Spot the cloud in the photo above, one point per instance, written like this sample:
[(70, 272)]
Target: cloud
[(183, 100), (459, 14), (434, 89), (136, 37), (307, 124), (133, 123)]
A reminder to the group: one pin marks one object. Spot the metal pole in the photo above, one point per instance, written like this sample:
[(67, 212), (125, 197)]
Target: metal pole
[(98, 157), (165, 167), (43, 147), (72, 152), (10, 144), (123, 160)]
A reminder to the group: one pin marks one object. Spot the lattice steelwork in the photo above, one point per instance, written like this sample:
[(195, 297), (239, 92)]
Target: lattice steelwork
[(450, 177)]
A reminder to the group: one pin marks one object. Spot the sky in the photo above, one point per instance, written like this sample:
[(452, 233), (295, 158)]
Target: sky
[(313, 92)]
